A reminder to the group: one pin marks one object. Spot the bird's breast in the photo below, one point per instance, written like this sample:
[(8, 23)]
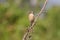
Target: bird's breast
[(31, 17)]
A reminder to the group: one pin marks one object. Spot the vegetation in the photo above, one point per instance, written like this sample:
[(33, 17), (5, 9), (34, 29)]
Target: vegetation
[(14, 21)]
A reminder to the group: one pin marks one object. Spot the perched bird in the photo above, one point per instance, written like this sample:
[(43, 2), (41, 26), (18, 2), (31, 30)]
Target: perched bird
[(31, 17)]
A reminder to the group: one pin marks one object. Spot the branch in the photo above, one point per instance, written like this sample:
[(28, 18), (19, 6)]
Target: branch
[(30, 29)]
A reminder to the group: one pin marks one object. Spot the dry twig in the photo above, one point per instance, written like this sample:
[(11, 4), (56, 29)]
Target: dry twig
[(30, 29)]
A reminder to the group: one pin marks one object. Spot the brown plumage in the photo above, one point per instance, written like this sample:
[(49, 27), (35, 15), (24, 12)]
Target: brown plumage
[(31, 17)]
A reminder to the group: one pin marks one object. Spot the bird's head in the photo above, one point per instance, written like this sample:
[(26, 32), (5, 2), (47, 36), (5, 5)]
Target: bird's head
[(30, 12)]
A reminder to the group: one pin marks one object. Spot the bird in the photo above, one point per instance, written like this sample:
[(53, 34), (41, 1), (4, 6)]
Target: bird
[(31, 17)]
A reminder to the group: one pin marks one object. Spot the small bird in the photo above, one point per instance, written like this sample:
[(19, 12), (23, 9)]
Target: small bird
[(31, 17)]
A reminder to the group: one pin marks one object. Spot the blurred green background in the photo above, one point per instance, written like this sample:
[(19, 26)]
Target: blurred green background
[(14, 20)]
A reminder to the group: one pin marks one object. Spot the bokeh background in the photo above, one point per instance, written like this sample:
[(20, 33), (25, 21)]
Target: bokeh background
[(14, 19)]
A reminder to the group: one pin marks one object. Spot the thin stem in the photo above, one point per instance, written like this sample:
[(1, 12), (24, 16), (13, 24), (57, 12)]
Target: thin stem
[(30, 29)]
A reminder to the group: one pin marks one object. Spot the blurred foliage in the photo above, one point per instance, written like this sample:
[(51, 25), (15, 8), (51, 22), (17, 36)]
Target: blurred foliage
[(14, 21)]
